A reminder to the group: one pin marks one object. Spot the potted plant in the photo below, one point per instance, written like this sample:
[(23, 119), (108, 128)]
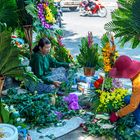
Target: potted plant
[(89, 55)]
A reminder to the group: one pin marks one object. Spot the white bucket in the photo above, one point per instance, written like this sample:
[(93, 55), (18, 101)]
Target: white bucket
[(8, 132)]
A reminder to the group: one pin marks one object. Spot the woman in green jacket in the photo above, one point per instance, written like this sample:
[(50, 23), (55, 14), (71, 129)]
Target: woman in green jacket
[(41, 63)]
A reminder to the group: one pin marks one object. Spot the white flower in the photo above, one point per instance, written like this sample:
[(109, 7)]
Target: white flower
[(18, 119), (102, 74), (28, 69), (23, 120), (11, 107), (6, 107)]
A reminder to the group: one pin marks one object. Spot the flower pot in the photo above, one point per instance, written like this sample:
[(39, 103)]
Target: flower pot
[(89, 71)]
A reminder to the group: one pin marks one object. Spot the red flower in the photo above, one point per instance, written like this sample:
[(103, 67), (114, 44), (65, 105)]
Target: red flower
[(13, 36), (84, 127), (98, 82)]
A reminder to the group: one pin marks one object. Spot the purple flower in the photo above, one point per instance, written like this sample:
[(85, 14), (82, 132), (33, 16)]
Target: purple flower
[(72, 101), (73, 97), (59, 114), (74, 106), (66, 99), (116, 83), (41, 16)]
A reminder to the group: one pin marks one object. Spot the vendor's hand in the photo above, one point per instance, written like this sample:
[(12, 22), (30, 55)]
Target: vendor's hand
[(113, 117), (57, 83)]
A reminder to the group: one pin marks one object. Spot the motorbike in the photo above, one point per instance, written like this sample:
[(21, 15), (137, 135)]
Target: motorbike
[(59, 14), (95, 9)]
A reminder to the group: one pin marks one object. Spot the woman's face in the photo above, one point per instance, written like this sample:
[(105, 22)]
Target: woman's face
[(46, 49)]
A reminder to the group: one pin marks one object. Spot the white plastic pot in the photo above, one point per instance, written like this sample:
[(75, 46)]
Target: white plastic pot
[(9, 132)]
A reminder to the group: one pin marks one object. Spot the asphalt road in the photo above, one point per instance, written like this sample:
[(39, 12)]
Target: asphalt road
[(76, 27)]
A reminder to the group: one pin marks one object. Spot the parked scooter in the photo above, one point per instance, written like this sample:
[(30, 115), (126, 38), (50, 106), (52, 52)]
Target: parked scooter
[(91, 7)]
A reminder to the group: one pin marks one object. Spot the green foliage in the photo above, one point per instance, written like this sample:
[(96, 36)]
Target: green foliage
[(38, 109), (89, 56), (104, 40), (10, 58), (63, 55), (108, 84), (10, 115), (125, 22), (8, 13), (121, 131), (32, 11), (23, 16), (5, 114)]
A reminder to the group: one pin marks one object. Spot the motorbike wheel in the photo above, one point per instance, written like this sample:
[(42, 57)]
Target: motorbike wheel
[(102, 12)]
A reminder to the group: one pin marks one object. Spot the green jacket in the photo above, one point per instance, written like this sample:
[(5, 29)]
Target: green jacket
[(41, 65)]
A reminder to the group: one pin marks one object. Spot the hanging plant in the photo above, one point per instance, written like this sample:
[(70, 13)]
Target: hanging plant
[(45, 15)]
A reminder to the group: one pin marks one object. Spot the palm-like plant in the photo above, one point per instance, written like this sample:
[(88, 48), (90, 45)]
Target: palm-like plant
[(10, 60), (89, 56), (126, 22)]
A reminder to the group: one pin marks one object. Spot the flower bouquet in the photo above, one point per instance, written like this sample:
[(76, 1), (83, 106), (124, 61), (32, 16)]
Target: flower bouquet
[(109, 52)]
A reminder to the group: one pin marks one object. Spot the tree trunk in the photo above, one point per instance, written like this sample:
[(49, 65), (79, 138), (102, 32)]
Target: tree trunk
[(1, 87), (28, 29)]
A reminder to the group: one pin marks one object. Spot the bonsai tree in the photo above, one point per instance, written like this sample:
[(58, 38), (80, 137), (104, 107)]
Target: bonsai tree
[(126, 22), (89, 53)]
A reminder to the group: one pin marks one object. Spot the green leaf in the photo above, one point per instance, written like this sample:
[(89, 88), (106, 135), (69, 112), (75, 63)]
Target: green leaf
[(5, 114), (126, 22)]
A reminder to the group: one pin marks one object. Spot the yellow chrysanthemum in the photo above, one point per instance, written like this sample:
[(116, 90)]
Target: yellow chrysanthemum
[(49, 16)]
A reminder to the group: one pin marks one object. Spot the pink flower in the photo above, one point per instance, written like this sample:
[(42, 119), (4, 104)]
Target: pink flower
[(90, 39), (60, 41)]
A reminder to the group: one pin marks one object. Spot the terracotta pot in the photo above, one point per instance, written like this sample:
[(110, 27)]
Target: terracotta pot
[(89, 71)]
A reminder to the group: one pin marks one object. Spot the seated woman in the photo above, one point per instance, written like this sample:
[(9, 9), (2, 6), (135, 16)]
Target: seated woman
[(41, 63)]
